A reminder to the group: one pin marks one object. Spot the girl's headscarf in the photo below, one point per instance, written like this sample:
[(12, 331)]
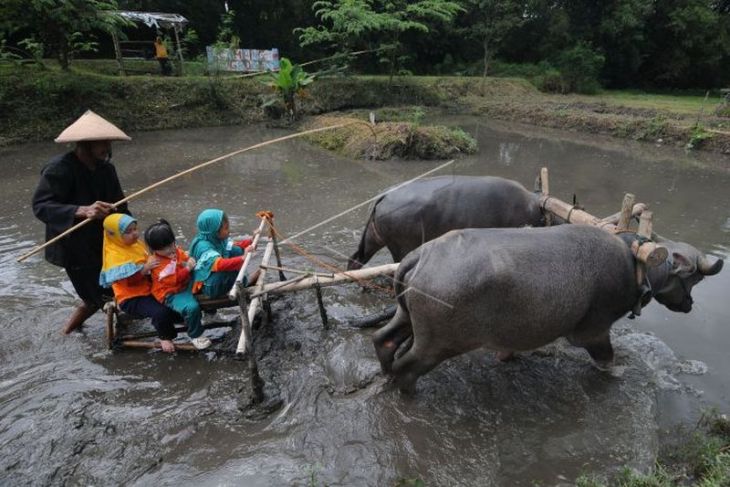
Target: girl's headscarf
[(206, 247), (119, 260)]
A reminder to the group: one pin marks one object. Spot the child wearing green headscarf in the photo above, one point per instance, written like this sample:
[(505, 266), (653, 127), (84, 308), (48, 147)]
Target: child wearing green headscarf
[(218, 257)]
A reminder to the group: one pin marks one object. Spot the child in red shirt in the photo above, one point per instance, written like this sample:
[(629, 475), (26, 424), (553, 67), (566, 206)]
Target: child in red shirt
[(171, 279)]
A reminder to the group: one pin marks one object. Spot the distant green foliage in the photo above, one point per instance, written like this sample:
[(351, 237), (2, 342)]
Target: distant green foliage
[(63, 27), (227, 37), (580, 67), (349, 24)]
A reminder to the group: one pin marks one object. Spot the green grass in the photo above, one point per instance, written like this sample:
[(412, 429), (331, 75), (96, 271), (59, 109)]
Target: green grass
[(699, 458), (680, 104)]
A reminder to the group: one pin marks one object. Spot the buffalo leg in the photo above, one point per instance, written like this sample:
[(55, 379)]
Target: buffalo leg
[(390, 337), (369, 245), (601, 351), (413, 364)]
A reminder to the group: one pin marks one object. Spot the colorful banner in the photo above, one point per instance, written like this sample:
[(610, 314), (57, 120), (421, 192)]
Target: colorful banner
[(243, 60)]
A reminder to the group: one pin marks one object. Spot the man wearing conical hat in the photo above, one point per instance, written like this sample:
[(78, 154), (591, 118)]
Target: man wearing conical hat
[(77, 185)]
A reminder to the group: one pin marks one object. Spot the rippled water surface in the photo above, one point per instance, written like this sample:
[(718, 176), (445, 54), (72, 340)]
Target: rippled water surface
[(73, 412)]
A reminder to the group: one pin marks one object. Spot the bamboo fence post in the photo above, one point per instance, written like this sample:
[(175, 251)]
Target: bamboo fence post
[(545, 190), (233, 293), (255, 302), (272, 235), (626, 209), (255, 381), (179, 50), (320, 303), (180, 174), (118, 53)]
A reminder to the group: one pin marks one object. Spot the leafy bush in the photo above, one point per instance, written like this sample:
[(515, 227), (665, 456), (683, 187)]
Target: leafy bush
[(580, 66), (551, 81)]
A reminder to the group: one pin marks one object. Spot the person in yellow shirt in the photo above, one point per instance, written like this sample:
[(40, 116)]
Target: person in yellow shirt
[(161, 56), (126, 269)]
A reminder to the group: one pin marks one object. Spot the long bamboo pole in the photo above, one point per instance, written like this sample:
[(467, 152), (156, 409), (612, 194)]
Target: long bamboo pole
[(181, 174)]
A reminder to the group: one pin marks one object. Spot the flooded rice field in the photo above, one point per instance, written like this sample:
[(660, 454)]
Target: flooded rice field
[(72, 412)]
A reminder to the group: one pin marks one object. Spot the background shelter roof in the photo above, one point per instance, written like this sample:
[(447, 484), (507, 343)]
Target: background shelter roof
[(156, 19)]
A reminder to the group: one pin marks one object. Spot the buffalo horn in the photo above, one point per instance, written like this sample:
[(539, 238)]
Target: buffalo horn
[(707, 269)]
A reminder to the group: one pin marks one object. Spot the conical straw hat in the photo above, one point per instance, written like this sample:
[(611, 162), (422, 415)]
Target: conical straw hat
[(91, 126)]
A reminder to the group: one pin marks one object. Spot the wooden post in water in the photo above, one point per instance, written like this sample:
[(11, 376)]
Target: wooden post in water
[(118, 53), (255, 381)]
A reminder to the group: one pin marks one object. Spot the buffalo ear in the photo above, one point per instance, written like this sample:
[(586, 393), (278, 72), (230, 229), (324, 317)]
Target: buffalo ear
[(681, 264)]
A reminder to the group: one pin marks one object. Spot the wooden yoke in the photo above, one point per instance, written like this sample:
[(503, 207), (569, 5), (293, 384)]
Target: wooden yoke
[(650, 253)]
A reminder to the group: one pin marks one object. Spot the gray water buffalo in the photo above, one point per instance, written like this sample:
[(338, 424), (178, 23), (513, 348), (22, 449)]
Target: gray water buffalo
[(519, 289), (426, 209)]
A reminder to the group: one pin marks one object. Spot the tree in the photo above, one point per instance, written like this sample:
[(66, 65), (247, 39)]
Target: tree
[(490, 21), (63, 25), (688, 42), (351, 23)]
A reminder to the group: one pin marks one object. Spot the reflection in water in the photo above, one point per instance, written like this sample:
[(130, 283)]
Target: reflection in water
[(71, 412)]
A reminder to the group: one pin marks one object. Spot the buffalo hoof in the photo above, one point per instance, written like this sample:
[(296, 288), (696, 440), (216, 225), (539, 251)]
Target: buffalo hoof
[(504, 356)]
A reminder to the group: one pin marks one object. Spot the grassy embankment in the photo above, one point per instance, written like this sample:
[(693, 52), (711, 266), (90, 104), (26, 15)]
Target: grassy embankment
[(698, 457), (37, 103)]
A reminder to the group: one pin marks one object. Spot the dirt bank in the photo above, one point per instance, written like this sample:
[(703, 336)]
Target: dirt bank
[(37, 104)]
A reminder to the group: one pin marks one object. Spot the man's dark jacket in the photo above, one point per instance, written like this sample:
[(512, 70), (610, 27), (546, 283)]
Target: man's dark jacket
[(66, 183)]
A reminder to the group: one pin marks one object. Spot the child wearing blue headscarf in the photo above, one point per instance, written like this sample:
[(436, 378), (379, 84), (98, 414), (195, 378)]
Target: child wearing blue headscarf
[(218, 257)]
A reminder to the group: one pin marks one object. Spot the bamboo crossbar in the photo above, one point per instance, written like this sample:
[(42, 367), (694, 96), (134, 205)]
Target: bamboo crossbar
[(179, 175), (338, 278), (650, 253)]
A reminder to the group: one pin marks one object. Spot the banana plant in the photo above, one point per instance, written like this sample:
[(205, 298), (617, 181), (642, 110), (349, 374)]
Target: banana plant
[(289, 82)]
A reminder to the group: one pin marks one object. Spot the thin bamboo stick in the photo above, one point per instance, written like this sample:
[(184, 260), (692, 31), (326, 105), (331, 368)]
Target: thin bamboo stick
[(184, 173), (297, 271)]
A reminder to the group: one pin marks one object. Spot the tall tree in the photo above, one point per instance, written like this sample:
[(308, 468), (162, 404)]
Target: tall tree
[(347, 24), (490, 21), (688, 42)]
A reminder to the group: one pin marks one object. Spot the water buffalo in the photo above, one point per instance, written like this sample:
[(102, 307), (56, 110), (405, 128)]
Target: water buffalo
[(519, 289), (426, 209)]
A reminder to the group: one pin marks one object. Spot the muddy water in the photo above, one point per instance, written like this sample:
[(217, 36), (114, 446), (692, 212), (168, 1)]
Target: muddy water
[(72, 412)]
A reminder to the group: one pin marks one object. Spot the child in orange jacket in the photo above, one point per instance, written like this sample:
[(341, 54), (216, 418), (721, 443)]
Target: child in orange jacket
[(171, 279), (125, 270)]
